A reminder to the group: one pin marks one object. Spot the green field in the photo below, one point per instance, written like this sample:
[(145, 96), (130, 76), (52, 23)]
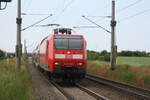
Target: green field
[(134, 61), (130, 70)]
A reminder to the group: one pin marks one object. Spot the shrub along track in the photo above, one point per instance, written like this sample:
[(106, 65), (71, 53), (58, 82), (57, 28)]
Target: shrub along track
[(115, 90)]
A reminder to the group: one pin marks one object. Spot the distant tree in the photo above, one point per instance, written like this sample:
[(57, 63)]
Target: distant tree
[(133, 53), (2, 54), (148, 54), (94, 55), (104, 52), (107, 57)]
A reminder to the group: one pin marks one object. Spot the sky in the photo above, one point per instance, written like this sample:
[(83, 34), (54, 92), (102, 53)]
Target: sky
[(132, 30)]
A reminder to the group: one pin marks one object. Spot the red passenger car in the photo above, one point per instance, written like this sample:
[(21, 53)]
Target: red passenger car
[(63, 55)]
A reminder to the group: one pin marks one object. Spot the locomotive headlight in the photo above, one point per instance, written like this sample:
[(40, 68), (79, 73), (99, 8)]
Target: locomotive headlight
[(56, 63), (79, 64)]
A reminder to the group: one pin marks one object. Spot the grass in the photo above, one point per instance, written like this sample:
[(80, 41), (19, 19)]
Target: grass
[(134, 75), (14, 84), (134, 61)]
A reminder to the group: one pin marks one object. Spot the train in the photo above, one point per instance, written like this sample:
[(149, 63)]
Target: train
[(63, 55)]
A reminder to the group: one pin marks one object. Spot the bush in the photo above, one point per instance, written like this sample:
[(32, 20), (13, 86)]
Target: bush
[(146, 79), (102, 56), (107, 57), (2, 54), (14, 84), (139, 76)]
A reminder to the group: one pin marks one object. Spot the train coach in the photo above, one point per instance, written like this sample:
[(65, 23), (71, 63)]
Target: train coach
[(62, 54)]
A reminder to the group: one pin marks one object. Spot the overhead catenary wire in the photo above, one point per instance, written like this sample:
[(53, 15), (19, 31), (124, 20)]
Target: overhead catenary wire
[(97, 24), (33, 14), (28, 5), (57, 7), (47, 25), (63, 10), (137, 14), (99, 16), (37, 22), (55, 10), (130, 5), (85, 27), (69, 4), (24, 3)]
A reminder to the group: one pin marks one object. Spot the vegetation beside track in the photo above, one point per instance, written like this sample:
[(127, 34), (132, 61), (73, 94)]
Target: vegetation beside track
[(134, 61), (105, 55), (15, 84), (131, 74)]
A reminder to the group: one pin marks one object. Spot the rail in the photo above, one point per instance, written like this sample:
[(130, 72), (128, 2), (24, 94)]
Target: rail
[(131, 90)]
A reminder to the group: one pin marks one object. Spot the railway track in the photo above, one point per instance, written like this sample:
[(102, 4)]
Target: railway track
[(81, 90), (77, 86), (140, 93), (97, 96), (89, 92), (66, 94), (46, 78)]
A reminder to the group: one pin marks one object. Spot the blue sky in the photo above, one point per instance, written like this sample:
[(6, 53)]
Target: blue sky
[(132, 33)]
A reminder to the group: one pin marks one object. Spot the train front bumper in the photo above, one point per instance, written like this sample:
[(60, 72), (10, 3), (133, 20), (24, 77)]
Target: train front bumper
[(75, 72)]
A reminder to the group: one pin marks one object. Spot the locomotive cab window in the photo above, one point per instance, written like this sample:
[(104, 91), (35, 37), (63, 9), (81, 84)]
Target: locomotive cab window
[(72, 42), (61, 43), (75, 43)]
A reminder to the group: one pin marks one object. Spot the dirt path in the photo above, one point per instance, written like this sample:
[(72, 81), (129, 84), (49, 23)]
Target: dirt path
[(42, 89)]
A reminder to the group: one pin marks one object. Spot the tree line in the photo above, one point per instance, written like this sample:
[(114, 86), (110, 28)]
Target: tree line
[(94, 55), (4, 55), (105, 55), (134, 53)]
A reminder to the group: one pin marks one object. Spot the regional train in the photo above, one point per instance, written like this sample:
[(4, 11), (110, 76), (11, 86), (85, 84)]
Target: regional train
[(62, 55)]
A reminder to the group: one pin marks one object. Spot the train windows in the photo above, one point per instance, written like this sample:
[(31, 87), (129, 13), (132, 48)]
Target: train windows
[(61, 43), (75, 43), (68, 42)]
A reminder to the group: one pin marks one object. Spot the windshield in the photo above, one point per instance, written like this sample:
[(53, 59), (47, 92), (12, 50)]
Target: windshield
[(68, 42)]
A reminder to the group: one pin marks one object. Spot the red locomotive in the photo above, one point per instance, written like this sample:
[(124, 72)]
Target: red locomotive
[(63, 55)]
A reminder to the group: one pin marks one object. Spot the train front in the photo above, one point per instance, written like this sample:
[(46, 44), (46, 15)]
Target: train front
[(69, 56)]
